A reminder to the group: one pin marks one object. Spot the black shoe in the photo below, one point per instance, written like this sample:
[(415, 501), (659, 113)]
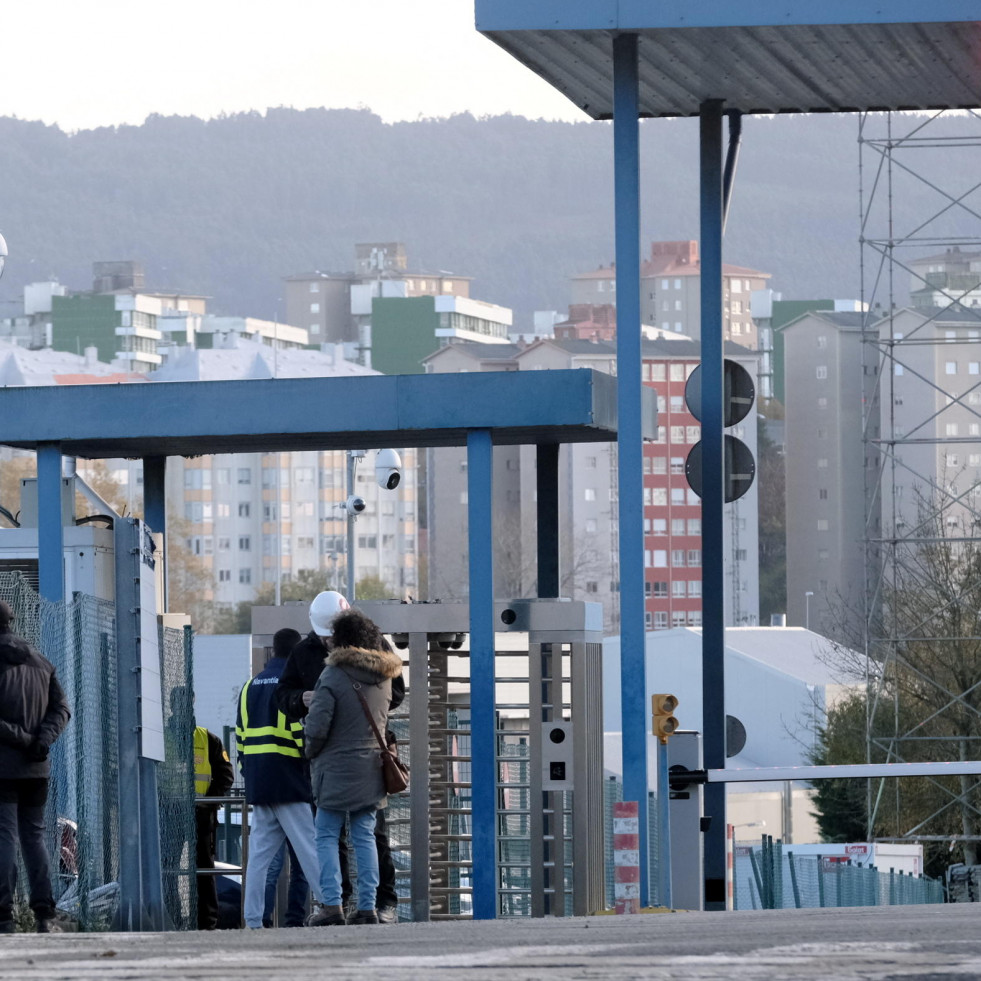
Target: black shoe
[(47, 925), (363, 916), (7, 926), (326, 916), (388, 914)]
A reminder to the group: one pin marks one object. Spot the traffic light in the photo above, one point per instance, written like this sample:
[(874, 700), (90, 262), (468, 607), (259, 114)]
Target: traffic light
[(737, 399), (665, 724)]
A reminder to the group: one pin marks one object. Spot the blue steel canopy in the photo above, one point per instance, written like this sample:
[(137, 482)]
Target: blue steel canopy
[(760, 56), (365, 412)]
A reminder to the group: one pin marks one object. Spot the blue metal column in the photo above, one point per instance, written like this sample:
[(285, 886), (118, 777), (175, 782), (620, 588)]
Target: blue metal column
[(155, 515), (713, 500), (633, 674), (155, 507), (547, 479), (50, 533), (483, 736)]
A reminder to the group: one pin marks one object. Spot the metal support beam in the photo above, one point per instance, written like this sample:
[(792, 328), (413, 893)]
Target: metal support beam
[(50, 533), (483, 739), (713, 498), (633, 675), (547, 477), (155, 508)]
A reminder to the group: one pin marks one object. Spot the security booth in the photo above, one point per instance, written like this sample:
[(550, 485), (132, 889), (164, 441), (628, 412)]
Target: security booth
[(549, 743)]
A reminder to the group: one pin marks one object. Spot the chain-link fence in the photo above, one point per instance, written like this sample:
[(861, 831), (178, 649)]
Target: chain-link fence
[(771, 876), (82, 818)]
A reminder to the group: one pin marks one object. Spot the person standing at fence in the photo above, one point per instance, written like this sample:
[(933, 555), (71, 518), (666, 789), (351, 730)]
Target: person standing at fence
[(294, 694), (213, 777), (277, 781), (33, 714), (350, 703)]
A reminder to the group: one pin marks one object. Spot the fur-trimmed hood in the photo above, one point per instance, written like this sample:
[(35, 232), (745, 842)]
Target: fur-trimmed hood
[(385, 664)]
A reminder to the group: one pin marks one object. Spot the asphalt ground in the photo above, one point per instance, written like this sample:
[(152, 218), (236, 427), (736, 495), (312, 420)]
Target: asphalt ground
[(863, 944)]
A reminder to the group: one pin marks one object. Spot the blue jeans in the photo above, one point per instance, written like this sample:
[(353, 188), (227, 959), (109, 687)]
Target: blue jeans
[(329, 825), (296, 896)]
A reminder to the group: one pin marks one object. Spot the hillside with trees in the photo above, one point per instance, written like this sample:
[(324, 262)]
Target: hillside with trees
[(229, 206)]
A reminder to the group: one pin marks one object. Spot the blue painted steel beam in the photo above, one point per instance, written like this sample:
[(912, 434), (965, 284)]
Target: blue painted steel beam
[(50, 533), (633, 659), (155, 507), (547, 485), (713, 499), (483, 736), (634, 15), (281, 414)]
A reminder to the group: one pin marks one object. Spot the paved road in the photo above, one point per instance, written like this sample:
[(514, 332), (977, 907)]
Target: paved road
[(939, 943)]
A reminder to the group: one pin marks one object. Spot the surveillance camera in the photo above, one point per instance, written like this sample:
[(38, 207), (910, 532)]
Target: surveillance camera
[(388, 469), (354, 505), (3, 253)]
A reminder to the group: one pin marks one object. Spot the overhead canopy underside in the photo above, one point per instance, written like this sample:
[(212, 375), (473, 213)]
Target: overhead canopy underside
[(281, 414), (759, 56)]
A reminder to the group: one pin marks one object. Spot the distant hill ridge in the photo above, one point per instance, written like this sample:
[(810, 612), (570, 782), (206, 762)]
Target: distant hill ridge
[(227, 207)]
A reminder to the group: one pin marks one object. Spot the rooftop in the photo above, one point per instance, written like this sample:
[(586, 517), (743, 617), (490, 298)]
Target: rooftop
[(765, 56)]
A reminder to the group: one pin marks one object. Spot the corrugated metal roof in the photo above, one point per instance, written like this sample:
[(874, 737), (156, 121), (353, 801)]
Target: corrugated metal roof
[(927, 57)]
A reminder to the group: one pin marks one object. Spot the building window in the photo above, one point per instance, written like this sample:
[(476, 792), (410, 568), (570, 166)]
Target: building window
[(659, 526), (678, 588), (677, 372), (244, 509), (821, 371), (224, 575), (659, 496), (660, 464), (678, 557), (693, 434), (677, 434), (677, 464), (822, 493), (224, 544), (245, 475), (315, 308), (591, 586), (694, 526), (950, 367), (678, 618), (951, 428), (677, 495), (695, 588), (589, 494), (822, 524), (314, 287), (695, 557), (657, 372), (244, 543), (661, 620), (660, 590), (677, 284), (822, 463), (590, 525), (693, 499), (648, 620), (665, 284), (660, 558), (245, 576)]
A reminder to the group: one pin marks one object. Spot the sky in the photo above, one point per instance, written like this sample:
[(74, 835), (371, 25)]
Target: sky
[(110, 62)]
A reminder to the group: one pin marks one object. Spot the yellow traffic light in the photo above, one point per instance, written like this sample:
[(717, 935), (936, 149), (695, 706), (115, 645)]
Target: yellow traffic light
[(665, 724)]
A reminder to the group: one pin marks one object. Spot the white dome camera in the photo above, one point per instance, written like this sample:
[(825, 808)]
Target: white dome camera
[(388, 469), (354, 505)]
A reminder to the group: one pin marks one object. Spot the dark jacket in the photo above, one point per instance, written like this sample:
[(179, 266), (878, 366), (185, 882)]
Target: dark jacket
[(303, 668), (33, 708), (270, 747), (345, 761)]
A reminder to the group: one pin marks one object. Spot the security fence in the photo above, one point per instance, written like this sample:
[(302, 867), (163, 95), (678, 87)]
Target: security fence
[(83, 819), (771, 876)]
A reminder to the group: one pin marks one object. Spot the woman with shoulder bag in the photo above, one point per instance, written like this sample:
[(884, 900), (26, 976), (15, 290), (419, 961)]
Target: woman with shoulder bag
[(350, 702)]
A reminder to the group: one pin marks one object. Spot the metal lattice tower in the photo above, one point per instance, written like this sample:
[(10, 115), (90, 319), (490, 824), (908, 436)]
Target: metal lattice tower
[(920, 206)]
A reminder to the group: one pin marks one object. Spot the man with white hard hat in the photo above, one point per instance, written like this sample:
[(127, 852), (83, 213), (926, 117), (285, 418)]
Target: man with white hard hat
[(293, 696)]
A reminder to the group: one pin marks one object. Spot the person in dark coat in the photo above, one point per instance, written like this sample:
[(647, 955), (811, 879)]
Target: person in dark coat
[(345, 764), (213, 777), (294, 694), (33, 714)]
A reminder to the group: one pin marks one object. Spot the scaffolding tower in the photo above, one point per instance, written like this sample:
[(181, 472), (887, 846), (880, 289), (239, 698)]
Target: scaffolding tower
[(920, 209)]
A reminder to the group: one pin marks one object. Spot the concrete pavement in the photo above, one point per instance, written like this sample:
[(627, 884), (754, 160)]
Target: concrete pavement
[(864, 944)]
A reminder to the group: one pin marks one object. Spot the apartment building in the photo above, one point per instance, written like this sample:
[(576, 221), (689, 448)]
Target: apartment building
[(588, 496), (671, 292), (253, 518), (334, 307)]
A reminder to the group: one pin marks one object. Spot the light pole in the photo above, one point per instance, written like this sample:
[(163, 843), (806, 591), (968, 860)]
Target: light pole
[(807, 609)]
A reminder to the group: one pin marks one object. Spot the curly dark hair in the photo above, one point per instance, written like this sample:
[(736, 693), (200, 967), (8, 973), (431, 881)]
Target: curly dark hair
[(353, 629)]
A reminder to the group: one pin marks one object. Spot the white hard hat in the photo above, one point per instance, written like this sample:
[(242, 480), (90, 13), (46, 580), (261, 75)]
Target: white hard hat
[(324, 608)]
